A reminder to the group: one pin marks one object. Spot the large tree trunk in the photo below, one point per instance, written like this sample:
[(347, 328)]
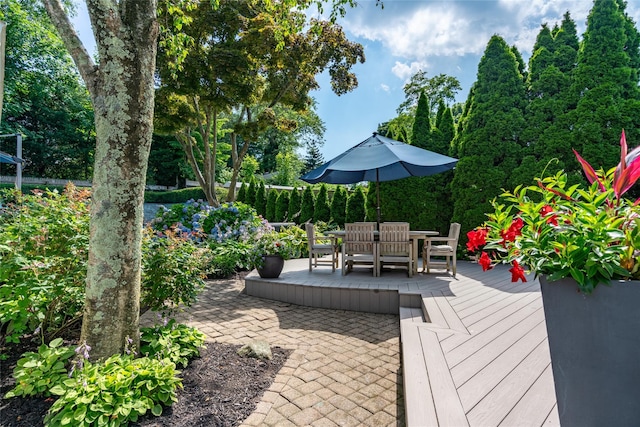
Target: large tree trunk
[(122, 93)]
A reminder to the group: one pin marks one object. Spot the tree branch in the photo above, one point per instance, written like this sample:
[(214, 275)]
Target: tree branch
[(86, 66)]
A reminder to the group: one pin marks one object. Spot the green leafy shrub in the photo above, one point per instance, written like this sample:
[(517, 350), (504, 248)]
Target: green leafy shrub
[(37, 373), (173, 271), (229, 257), (44, 249), (174, 196), (114, 392), (178, 343)]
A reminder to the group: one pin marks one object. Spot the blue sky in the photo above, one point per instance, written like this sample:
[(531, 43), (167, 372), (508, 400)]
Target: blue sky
[(447, 36)]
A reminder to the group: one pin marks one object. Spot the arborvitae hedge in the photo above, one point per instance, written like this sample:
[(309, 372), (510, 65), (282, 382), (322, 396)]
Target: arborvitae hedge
[(322, 212), (282, 205), (339, 206), (261, 200), (241, 196), (355, 206), (307, 205), (251, 192), (270, 212), (294, 206)]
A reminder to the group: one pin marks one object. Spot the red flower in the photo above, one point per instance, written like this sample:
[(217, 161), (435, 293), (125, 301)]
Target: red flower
[(485, 262), (477, 239), (514, 230), (517, 272), (548, 210)]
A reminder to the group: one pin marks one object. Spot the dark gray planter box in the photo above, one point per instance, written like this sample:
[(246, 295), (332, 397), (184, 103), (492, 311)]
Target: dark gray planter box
[(594, 341)]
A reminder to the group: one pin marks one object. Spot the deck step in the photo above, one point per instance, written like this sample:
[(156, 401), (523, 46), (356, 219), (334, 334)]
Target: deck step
[(430, 394), (440, 315)]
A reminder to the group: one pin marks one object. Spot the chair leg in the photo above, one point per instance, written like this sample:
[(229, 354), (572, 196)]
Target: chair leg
[(454, 265), (333, 262), (310, 260)]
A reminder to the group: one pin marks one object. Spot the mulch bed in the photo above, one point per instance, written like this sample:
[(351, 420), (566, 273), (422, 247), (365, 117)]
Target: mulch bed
[(220, 389)]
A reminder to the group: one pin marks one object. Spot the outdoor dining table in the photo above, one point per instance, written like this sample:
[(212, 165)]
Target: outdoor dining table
[(414, 237)]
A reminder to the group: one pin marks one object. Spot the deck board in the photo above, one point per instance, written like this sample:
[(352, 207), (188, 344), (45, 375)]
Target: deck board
[(482, 361)]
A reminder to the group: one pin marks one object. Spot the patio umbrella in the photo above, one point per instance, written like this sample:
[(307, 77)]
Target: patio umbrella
[(379, 158), (8, 158)]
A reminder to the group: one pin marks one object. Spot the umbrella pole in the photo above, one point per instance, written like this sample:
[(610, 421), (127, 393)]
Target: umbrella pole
[(378, 197)]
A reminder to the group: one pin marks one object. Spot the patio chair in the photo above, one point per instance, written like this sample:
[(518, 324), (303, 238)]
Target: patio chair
[(358, 246), (395, 246), (319, 246), (443, 247)]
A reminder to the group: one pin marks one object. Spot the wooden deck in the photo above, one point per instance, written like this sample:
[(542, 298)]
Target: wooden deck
[(474, 348)]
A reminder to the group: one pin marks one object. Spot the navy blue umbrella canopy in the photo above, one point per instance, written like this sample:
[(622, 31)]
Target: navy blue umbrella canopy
[(379, 158), (8, 158)]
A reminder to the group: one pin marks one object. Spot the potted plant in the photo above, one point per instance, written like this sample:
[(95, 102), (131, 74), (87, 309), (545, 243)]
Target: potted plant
[(584, 244), (272, 249)]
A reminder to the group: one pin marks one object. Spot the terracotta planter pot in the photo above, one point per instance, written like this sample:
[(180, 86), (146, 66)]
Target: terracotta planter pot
[(272, 267), (594, 341)]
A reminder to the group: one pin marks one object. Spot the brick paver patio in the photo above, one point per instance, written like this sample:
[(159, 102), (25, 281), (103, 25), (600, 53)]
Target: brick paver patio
[(344, 370)]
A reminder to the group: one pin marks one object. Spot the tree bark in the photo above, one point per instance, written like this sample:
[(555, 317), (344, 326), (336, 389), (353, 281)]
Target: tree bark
[(122, 93)]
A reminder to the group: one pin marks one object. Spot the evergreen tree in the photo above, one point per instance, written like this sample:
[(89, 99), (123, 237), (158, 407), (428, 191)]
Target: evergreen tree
[(282, 205), (548, 128), (355, 206), (314, 158), (489, 147), (307, 205), (261, 200), (270, 213), (421, 134), (322, 211), (448, 130), (242, 193), (339, 206), (294, 206), (606, 85), (251, 192)]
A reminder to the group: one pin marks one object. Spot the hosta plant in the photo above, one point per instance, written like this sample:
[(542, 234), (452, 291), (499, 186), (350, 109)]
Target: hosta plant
[(589, 233)]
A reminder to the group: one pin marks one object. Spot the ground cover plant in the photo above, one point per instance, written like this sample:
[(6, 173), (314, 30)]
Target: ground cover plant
[(44, 370)]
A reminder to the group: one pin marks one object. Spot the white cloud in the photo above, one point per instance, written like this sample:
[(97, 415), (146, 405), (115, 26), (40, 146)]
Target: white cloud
[(404, 71), (385, 88)]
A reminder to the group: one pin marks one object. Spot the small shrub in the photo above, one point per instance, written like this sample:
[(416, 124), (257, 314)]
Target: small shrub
[(114, 392), (178, 343), (229, 257), (173, 271), (37, 373), (44, 241)]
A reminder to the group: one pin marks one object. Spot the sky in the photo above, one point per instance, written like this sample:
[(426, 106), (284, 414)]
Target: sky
[(405, 37)]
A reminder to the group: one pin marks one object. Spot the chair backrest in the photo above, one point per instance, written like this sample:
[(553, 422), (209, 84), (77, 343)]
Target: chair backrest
[(454, 231), (358, 237), (310, 234), (394, 238)]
